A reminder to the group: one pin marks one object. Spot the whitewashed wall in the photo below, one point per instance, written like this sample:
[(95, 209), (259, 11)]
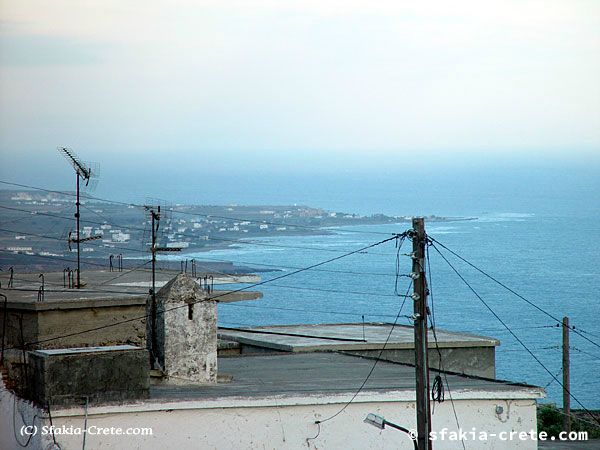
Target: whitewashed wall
[(289, 427)]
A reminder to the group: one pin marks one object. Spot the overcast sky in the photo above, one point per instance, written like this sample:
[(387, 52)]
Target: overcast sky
[(297, 84)]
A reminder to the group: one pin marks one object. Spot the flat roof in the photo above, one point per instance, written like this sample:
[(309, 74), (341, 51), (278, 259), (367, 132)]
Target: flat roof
[(349, 336), (102, 288), (305, 379), (321, 374)]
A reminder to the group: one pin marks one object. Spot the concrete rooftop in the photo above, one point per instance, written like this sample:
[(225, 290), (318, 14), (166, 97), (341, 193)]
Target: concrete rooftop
[(325, 373), (102, 286), (331, 337)]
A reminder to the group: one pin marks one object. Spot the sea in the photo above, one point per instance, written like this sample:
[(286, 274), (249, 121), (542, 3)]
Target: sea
[(536, 229)]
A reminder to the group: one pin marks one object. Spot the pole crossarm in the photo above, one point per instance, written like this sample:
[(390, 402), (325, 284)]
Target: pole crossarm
[(85, 239)]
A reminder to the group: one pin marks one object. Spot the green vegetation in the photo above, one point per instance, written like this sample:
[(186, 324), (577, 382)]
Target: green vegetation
[(550, 420)]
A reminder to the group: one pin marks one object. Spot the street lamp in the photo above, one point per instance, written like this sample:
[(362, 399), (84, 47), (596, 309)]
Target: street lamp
[(380, 422)]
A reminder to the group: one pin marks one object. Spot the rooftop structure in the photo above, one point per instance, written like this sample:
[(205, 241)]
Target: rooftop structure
[(289, 387), (461, 352), (276, 399)]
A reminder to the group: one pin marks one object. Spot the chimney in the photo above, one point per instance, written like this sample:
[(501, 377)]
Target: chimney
[(186, 332)]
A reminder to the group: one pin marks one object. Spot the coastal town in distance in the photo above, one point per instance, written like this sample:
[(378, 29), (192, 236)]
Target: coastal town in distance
[(191, 228)]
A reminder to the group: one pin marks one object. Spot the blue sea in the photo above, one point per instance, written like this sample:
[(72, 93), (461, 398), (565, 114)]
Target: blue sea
[(536, 230)]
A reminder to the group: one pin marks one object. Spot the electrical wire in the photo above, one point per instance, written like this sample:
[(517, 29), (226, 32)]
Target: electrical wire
[(512, 291), (377, 359), (312, 311), (358, 391), (438, 389), (57, 258), (553, 379), (211, 238), (511, 332), (223, 294), (116, 202)]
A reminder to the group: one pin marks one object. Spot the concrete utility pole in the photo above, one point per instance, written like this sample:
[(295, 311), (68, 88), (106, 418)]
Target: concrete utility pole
[(420, 315), (566, 364)]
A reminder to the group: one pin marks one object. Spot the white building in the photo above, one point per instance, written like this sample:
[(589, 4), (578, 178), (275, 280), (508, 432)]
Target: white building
[(121, 237), (274, 402)]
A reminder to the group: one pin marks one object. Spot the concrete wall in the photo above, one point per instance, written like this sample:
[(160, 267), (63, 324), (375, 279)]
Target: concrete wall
[(100, 374), (292, 427), (42, 322), (477, 361)]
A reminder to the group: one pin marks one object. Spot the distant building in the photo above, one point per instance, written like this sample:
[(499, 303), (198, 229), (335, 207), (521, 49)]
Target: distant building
[(19, 249), (121, 237), (178, 244)]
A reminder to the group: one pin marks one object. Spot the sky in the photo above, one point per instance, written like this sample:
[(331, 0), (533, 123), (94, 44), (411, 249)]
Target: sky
[(191, 87)]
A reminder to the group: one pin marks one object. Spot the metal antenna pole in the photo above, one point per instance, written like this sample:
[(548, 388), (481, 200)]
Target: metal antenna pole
[(84, 172), (78, 235), (420, 328)]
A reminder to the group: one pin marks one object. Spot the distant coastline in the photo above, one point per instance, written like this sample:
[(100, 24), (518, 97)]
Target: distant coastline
[(125, 229)]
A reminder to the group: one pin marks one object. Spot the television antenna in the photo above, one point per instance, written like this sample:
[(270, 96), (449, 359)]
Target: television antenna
[(84, 172), (152, 341)]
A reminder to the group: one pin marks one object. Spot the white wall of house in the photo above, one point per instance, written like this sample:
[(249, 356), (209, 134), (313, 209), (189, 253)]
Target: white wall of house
[(288, 423)]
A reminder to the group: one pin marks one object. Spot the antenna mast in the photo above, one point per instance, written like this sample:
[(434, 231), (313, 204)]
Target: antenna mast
[(83, 172), (152, 340)]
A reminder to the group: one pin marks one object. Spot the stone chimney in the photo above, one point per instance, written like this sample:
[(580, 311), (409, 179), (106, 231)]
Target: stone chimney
[(186, 332)]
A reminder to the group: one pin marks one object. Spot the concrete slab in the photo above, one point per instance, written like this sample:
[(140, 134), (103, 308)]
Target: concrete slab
[(335, 337), (74, 351), (103, 284), (322, 373)]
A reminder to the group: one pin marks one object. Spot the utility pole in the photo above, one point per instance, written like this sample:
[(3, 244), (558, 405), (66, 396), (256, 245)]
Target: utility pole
[(420, 293), (566, 364), (155, 222)]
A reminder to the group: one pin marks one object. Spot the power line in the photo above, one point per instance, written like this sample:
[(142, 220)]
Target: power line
[(146, 251), (509, 330), (58, 258), (281, 266), (335, 291), (596, 357), (281, 333), (437, 346), (225, 293), (553, 379), (91, 197), (319, 422), (559, 321), (240, 305), (311, 311), (210, 238)]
